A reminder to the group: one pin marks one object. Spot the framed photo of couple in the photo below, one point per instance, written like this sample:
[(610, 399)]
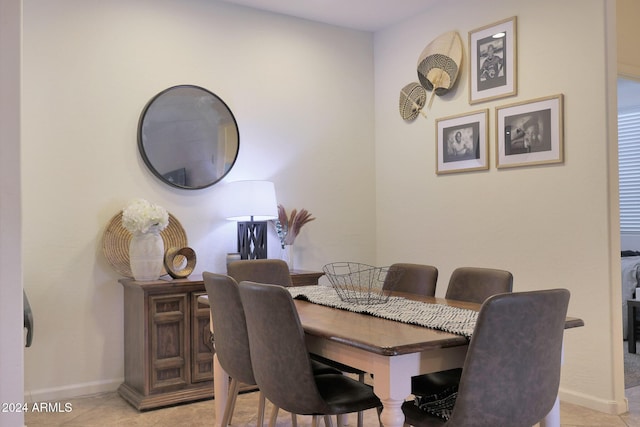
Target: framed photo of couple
[(462, 143), (492, 55)]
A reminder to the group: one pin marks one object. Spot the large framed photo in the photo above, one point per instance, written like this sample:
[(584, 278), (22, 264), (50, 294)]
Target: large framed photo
[(530, 133), (462, 143), (492, 55)]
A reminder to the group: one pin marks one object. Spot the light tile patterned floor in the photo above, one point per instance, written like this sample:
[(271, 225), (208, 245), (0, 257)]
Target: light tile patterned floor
[(110, 410)]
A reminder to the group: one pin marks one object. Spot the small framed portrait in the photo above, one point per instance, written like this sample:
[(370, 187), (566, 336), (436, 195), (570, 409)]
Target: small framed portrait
[(462, 143), (530, 132), (492, 55)]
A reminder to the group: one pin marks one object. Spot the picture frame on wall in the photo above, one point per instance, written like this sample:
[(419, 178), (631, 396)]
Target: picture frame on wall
[(462, 142), (493, 59), (530, 132)]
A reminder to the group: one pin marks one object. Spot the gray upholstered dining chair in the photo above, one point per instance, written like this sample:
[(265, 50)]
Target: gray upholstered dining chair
[(286, 377), (416, 279), (271, 271), (231, 340), (475, 284), (276, 272), (471, 284), (508, 380)]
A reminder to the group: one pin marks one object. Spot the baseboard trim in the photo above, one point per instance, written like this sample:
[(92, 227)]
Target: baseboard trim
[(607, 406), (95, 387), (71, 391)]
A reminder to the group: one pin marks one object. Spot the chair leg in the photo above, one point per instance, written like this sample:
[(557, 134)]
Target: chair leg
[(327, 421), (314, 421), (341, 420), (261, 408), (274, 417), (379, 410), (361, 414), (231, 402)]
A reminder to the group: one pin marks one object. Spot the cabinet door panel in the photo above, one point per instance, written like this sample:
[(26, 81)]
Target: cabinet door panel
[(169, 338), (201, 349)]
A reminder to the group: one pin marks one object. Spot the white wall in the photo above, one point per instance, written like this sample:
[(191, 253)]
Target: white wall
[(303, 97), (11, 332), (549, 225)]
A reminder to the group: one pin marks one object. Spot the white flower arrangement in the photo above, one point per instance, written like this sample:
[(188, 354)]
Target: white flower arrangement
[(142, 216)]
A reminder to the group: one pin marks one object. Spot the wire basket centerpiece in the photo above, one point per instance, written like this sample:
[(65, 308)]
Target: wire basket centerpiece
[(361, 283)]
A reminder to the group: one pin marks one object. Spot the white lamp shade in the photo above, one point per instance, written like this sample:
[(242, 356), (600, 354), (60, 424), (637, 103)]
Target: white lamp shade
[(246, 199)]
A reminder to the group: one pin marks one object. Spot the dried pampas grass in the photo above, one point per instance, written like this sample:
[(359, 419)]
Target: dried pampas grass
[(290, 225)]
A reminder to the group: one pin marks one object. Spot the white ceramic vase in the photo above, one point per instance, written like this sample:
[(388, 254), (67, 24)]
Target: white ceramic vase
[(146, 256)]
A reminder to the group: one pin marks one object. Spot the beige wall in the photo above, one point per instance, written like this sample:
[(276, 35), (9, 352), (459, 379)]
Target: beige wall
[(549, 225), (11, 334), (303, 95)]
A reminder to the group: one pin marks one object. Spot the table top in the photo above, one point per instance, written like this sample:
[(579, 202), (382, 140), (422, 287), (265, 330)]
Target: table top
[(374, 334), (383, 336)]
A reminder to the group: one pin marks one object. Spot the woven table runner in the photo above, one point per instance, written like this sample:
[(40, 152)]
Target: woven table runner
[(454, 320)]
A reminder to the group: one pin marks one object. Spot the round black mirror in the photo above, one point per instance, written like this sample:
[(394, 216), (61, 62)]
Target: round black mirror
[(188, 137)]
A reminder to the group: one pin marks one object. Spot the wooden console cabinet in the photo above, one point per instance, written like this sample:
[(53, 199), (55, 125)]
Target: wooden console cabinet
[(305, 277), (167, 349)]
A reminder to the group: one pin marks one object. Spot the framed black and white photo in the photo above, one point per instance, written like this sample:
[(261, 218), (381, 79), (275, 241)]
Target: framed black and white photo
[(492, 55), (530, 132), (462, 143)]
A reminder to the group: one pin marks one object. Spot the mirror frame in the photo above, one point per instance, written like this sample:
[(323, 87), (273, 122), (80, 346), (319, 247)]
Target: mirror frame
[(141, 142)]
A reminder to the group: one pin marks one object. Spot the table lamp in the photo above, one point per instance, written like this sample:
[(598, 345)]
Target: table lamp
[(252, 204)]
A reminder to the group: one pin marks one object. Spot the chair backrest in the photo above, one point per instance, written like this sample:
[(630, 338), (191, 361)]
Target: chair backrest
[(474, 284), (229, 327), (416, 279), (270, 271), (281, 362), (511, 373)]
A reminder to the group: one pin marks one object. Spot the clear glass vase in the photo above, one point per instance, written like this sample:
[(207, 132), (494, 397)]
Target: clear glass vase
[(146, 255), (286, 254)]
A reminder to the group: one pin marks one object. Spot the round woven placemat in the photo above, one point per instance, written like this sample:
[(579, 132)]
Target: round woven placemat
[(116, 239)]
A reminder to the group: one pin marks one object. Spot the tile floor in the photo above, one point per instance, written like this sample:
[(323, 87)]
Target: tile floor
[(109, 409)]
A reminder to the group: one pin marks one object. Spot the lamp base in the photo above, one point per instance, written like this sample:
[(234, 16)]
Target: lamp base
[(252, 239)]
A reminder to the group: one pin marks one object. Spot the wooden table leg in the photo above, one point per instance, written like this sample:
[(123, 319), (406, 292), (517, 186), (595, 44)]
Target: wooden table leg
[(392, 384), (552, 419)]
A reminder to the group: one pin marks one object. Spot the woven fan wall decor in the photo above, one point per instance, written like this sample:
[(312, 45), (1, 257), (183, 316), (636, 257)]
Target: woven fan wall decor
[(439, 64), (412, 99)]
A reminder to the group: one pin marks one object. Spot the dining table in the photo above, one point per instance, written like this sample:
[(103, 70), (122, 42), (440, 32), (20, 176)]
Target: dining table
[(392, 351)]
